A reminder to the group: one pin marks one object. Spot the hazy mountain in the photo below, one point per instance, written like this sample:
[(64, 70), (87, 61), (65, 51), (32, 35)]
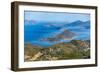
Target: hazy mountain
[(79, 23)]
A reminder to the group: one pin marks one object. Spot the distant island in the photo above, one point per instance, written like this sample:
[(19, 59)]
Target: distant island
[(64, 35)]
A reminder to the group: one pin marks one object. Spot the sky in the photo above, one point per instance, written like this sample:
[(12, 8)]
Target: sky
[(55, 16)]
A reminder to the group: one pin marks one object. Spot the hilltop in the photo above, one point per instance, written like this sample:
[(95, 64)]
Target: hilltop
[(75, 49)]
